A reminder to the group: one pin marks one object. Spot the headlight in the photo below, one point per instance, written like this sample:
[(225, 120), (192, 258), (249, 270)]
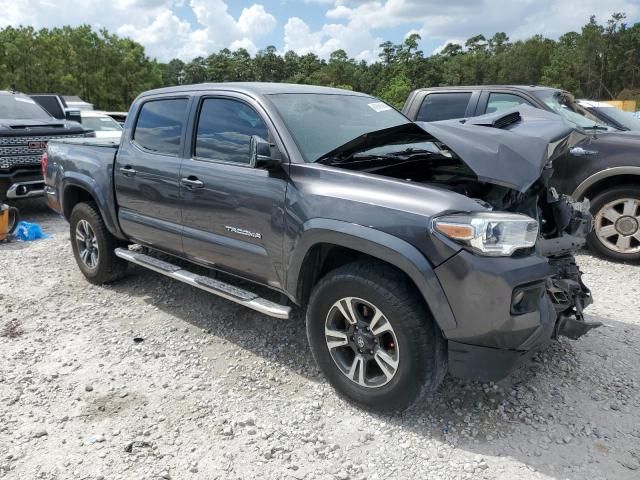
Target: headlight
[(490, 233)]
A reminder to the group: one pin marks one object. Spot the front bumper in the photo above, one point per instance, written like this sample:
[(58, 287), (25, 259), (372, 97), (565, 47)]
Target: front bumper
[(483, 364), (491, 336), (22, 183)]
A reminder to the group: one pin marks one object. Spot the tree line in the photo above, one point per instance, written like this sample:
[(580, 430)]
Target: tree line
[(601, 61)]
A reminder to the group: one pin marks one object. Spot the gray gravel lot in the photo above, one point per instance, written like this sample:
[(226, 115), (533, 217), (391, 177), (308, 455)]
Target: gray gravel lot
[(214, 390)]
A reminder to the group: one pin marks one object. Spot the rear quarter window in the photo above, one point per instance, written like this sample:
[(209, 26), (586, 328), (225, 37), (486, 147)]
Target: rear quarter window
[(159, 125), (443, 106)]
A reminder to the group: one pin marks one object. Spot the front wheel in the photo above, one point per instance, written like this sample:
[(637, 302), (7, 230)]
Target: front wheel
[(373, 337), (93, 245), (616, 232)]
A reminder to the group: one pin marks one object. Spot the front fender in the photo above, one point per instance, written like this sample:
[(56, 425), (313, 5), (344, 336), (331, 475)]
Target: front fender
[(593, 179), (377, 244)]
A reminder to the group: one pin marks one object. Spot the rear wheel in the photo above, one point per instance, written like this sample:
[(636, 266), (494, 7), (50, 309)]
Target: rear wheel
[(93, 245), (373, 337), (616, 232)]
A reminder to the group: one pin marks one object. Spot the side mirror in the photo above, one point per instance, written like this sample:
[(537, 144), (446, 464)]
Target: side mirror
[(261, 153), (72, 115)]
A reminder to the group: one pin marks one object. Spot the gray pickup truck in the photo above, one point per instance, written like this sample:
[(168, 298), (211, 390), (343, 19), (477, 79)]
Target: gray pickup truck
[(416, 251)]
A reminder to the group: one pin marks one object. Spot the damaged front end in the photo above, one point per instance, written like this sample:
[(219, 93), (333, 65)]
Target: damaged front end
[(515, 163), (565, 224), (504, 162)]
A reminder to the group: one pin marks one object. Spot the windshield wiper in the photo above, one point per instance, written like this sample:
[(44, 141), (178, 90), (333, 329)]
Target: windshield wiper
[(601, 128), (357, 158), (399, 154)]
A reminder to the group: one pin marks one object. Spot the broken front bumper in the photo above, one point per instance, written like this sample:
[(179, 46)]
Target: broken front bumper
[(503, 311)]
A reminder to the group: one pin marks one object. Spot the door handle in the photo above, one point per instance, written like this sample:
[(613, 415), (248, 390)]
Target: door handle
[(581, 152), (191, 182), (128, 171)]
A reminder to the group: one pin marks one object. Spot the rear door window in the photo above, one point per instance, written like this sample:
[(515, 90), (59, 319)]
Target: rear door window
[(159, 125), (504, 101), (443, 106)]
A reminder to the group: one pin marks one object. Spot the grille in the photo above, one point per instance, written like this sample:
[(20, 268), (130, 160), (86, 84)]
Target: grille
[(15, 151), (7, 163)]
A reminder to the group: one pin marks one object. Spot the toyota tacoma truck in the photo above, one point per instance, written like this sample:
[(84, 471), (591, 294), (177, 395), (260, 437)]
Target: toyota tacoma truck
[(415, 250), (604, 167), (25, 128)]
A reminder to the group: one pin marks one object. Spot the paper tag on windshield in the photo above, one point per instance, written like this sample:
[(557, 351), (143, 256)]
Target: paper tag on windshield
[(379, 106), (25, 100)]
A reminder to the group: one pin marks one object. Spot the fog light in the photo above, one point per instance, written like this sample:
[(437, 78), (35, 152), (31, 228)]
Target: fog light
[(525, 298), (517, 297)]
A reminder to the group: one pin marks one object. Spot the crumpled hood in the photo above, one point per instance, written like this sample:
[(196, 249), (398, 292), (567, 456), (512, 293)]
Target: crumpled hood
[(505, 150)]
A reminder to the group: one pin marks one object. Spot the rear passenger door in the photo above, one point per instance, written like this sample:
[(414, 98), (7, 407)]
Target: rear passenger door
[(147, 172), (232, 213), (446, 106)]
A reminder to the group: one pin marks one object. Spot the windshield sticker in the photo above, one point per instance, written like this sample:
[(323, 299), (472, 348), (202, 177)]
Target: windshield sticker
[(25, 100), (379, 106)]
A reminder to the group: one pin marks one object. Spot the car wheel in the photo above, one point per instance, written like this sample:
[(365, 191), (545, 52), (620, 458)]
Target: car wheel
[(616, 230), (93, 246), (373, 337)]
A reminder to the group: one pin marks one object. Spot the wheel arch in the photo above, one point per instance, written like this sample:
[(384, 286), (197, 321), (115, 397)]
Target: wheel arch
[(605, 179), (72, 195), (326, 244), (75, 189)]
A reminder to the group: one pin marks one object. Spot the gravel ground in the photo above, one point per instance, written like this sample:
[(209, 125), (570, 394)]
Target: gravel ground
[(150, 379)]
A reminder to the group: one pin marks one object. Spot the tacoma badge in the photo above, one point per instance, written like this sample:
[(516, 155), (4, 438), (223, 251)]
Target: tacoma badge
[(241, 231)]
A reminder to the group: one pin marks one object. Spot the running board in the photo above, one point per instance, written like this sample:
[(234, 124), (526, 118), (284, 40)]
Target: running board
[(211, 285)]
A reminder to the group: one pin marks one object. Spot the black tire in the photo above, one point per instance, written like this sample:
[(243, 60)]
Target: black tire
[(603, 199), (108, 267), (422, 354)]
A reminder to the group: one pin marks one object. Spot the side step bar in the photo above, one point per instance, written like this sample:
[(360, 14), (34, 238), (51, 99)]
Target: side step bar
[(211, 285)]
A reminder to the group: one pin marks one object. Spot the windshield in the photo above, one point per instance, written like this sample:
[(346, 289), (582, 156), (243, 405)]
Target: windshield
[(562, 104), (626, 119), (319, 123), (101, 124), (18, 107)]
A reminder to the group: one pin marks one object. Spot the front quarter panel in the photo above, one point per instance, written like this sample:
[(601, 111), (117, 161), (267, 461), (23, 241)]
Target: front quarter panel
[(399, 208), (385, 218)]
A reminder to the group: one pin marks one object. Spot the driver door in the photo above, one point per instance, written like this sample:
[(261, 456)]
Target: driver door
[(232, 213)]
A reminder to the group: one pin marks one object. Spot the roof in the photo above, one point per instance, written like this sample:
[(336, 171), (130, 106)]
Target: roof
[(254, 88), (594, 104), (529, 88), (73, 98), (8, 92), (92, 113)]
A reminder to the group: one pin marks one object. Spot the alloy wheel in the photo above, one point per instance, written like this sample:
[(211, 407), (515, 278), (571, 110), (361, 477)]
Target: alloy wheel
[(87, 244), (617, 225), (362, 342)]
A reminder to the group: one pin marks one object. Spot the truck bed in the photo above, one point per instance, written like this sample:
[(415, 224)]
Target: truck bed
[(88, 163)]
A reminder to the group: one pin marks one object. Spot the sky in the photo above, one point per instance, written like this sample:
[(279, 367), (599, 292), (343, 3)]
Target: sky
[(188, 28)]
